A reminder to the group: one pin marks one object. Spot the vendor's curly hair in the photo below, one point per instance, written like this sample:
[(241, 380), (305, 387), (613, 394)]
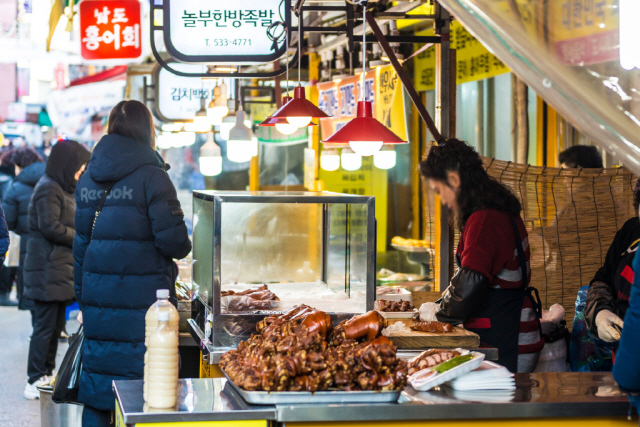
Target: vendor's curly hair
[(477, 189)]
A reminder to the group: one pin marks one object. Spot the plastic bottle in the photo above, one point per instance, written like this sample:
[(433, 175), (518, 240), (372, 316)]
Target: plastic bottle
[(162, 365), (151, 324)]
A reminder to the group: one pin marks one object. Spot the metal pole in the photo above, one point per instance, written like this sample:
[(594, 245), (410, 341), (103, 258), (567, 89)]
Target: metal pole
[(480, 117), (444, 81)]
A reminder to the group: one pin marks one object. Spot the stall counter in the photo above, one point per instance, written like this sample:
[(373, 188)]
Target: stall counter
[(546, 399)]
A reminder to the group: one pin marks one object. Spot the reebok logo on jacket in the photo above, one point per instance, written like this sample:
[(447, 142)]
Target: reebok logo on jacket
[(124, 193)]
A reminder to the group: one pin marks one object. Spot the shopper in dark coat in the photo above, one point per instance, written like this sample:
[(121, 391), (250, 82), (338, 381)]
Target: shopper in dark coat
[(7, 274), (48, 268), (128, 256), (15, 202)]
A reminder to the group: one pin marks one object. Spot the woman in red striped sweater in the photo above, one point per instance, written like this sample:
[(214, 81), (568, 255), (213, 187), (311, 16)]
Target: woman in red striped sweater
[(490, 291)]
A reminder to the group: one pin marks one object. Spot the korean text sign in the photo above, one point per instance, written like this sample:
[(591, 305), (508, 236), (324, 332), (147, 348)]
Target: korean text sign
[(178, 98), (224, 31), (110, 29)]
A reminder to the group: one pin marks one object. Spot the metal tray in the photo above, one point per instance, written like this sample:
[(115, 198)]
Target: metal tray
[(329, 396)]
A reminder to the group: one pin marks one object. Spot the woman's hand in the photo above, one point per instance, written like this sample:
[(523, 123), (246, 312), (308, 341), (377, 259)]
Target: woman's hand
[(606, 322), (79, 318)]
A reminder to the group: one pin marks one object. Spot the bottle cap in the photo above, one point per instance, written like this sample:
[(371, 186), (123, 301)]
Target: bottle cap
[(163, 316), (162, 293)]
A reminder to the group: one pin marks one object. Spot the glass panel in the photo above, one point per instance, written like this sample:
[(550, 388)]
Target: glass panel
[(203, 248), (271, 243)]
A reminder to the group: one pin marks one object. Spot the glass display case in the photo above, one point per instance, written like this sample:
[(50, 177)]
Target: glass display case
[(256, 253)]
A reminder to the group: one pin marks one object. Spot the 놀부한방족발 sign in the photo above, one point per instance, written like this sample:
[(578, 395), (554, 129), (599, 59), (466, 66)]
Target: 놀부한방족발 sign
[(110, 29), (224, 31)]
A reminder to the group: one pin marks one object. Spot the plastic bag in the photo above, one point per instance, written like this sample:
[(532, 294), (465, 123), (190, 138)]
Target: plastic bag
[(12, 259), (67, 382), (587, 352)]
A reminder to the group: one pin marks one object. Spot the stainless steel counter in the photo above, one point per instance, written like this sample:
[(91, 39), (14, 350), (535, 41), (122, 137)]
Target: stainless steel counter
[(199, 399), (544, 395)]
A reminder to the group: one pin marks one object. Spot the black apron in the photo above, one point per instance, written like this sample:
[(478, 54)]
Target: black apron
[(498, 321)]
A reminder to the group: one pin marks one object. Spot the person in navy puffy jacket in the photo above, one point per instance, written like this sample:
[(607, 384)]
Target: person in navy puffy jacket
[(128, 255)]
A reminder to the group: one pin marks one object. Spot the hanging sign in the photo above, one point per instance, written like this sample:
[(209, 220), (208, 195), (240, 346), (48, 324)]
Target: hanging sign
[(340, 99), (473, 61), (585, 32), (389, 105), (224, 31), (177, 98), (110, 29)]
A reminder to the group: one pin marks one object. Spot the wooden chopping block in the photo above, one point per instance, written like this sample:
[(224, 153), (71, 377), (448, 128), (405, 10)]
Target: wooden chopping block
[(414, 339)]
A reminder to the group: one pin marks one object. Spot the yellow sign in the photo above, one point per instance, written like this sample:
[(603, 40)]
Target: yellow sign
[(473, 61), (389, 102), (585, 32), (366, 181)]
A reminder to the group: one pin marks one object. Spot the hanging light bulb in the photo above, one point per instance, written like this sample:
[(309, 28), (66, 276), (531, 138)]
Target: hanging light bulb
[(201, 122), (210, 157), (218, 107), (350, 160), (365, 148), (330, 160), (385, 158), (286, 128), (241, 146), (364, 134)]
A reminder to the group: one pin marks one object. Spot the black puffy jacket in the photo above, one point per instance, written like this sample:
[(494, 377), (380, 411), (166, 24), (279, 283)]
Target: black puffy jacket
[(610, 288), (48, 267), (130, 255), (15, 203)]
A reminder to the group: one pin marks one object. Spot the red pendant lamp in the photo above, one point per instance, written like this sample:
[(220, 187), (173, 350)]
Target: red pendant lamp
[(282, 125), (299, 111), (364, 134)]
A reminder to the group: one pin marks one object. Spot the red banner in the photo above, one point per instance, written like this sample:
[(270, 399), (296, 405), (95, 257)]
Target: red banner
[(110, 29)]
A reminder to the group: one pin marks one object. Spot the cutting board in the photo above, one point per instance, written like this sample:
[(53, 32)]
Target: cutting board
[(459, 338)]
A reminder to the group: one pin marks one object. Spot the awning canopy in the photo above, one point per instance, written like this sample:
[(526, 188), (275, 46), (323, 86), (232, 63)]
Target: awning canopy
[(115, 73)]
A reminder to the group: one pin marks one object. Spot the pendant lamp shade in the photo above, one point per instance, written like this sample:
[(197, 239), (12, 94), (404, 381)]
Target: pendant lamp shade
[(282, 125), (299, 111), (364, 134)]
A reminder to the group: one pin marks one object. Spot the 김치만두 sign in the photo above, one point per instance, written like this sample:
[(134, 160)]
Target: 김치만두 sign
[(223, 30), (110, 29), (178, 98)]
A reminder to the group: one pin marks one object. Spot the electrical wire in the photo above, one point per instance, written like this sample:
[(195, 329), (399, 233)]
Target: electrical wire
[(299, 45), (286, 42), (363, 95)]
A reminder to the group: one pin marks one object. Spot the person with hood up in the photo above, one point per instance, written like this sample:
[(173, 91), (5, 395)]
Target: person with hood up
[(48, 267), (123, 253), (29, 168)]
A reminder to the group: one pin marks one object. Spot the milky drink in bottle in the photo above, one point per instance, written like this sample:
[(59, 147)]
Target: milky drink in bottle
[(162, 364), (151, 323)]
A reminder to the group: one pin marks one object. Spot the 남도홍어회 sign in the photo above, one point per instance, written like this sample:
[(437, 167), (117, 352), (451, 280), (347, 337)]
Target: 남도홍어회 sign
[(225, 31), (110, 29)]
